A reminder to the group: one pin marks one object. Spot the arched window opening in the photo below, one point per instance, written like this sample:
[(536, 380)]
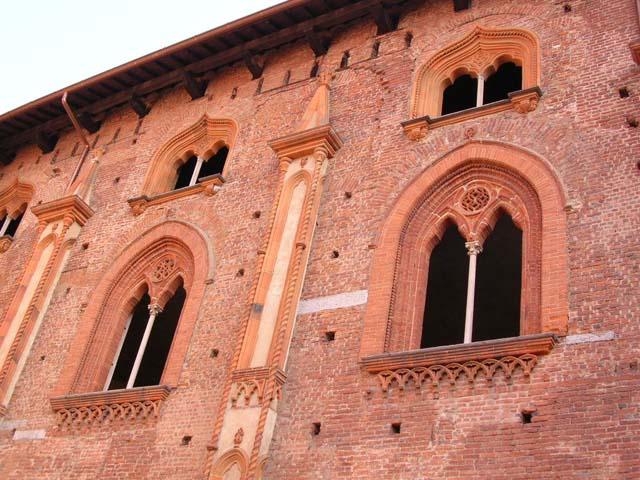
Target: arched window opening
[(460, 271), (507, 79), (446, 292), (215, 165), (460, 95), (498, 283), (9, 226), (145, 343), (186, 173)]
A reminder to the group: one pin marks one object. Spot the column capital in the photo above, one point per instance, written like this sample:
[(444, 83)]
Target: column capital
[(154, 309), (474, 247)]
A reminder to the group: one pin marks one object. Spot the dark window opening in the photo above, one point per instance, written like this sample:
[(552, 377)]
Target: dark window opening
[(157, 351), (498, 283), (460, 95), (446, 292), (344, 62), (507, 79), (130, 345), (215, 164), (13, 225), (185, 172)]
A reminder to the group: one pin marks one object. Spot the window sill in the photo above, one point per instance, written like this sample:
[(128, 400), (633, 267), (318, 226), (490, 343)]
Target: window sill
[(522, 101), (451, 361), (5, 243), (97, 408), (208, 185)]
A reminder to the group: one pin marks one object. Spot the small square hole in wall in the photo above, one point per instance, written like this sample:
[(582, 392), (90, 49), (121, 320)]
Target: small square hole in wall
[(396, 427), (330, 336), (214, 353), (623, 92), (186, 440), (526, 416), (315, 428)]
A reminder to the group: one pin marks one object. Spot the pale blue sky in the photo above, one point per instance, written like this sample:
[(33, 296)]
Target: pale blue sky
[(46, 45)]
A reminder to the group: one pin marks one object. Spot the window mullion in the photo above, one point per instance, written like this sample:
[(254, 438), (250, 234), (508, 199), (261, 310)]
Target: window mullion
[(196, 171), (473, 249), (5, 225), (154, 310), (480, 94), (117, 355)]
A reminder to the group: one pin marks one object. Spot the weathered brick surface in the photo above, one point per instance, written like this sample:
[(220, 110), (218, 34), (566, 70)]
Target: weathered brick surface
[(586, 396)]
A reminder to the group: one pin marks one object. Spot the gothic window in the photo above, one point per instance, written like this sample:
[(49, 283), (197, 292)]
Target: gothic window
[(478, 243), (145, 343), (9, 224), (196, 168), (473, 290), (495, 69)]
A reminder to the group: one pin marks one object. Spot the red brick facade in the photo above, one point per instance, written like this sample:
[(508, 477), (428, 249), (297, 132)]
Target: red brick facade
[(570, 157)]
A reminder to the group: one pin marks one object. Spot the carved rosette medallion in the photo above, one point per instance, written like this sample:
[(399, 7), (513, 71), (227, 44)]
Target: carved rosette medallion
[(475, 199), (163, 269)]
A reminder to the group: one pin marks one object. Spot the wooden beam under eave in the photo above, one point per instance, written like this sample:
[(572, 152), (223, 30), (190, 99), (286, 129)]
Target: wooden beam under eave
[(88, 123), (459, 5), (254, 67), (46, 141), (385, 20), (318, 41), (195, 88), (139, 106)]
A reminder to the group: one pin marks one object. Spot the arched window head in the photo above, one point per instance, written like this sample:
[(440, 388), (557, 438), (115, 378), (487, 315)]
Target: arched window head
[(513, 54), (478, 249), (141, 313), (460, 95), (195, 153), (13, 205)]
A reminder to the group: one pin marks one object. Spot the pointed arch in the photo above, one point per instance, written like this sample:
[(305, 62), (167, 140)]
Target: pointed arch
[(204, 138), (232, 457), (479, 53), (507, 179), (15, 198), (163, 258)]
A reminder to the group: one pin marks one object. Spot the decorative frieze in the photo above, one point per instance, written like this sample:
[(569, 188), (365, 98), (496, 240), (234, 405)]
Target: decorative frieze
[(101, 408), (249, 385), (451, 372)]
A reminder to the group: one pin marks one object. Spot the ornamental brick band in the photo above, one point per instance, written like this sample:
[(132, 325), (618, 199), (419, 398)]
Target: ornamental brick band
[(89, 410)]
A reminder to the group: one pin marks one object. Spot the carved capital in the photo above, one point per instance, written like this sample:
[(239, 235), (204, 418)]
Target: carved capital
[(474, 247), (154, 309), (5, 243)]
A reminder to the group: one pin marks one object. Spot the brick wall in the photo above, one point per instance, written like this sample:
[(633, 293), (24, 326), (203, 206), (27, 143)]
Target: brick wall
[(585, 395)]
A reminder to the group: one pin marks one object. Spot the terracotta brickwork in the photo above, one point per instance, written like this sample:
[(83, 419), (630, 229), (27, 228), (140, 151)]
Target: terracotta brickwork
[(324, 196)]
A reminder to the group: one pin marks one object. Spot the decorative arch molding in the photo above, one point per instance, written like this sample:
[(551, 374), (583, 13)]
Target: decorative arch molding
[(514, 181), (480, 52), (232, 457), (157, 262), (203, 138), (15, 198)]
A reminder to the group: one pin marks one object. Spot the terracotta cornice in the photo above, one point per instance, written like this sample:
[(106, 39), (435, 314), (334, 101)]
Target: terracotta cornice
[(301, 144), (476, 351), (209, 185), (109, 397), (635, 51), (522, 101), (69, 206), (98, 408)]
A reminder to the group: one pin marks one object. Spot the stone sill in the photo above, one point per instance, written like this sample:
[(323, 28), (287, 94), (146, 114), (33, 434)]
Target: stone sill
[(522, 101), (209, 185), (5, 243), (111, 397), (95, 409), (464, 352)]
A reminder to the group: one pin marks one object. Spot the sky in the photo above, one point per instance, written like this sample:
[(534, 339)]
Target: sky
[(46, 45)]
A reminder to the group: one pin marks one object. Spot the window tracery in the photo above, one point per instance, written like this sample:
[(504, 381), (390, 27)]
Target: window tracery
[(13, 205)]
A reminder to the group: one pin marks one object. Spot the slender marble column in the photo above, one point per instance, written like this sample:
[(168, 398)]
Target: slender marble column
[(473, 249), (480, 94), (154, 310)]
